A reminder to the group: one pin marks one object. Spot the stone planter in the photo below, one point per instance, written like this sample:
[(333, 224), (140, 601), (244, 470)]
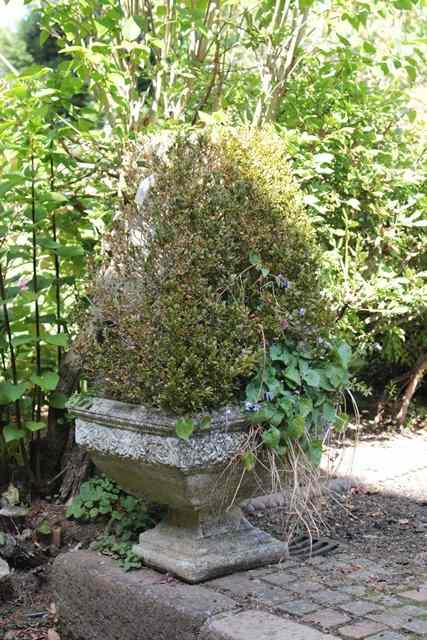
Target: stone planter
[(202, 536)]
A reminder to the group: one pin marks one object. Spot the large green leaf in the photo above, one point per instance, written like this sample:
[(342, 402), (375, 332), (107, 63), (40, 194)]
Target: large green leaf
[(11, 392), (60, 340), (12, 433), (47, 381), (130, 29), (33, 426)]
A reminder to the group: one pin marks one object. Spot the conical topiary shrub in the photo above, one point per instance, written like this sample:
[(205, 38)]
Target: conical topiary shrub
[(220, 260)]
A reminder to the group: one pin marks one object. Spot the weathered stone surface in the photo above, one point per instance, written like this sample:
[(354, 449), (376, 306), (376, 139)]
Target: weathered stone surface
[(361, 630), (98, 601), (327, 618), (388, 635), (326, 596), (360, 607), (297, 607), (4, 569), (243, 587), (196, 550), (418, 595), (139, 448), (258, 625)]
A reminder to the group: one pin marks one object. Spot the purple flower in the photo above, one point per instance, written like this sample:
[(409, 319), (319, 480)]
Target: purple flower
[(252, 407), (282, 281), (284, 324), (301, 312), (268, 396)]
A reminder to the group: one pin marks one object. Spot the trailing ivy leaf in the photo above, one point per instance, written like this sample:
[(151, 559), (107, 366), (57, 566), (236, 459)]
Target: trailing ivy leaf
[(44, 528), (249, 460), (12, 433), (277, 418), (342, 422), (254, 259), (184, 428), (315, 451), (253, 391), (336, 376), (275, 388), (11, 392), (292, 374), (47, 381), (305, 406), (271, 437), (329, 413), (277, 353), (296, 427), (343, 352), (311, 377)]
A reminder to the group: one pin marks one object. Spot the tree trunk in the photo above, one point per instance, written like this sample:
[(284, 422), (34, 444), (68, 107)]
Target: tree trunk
[(58, 427), (416, 376), (77, 466)]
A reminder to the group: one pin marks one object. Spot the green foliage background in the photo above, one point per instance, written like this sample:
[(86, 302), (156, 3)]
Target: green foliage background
[(336, 81)]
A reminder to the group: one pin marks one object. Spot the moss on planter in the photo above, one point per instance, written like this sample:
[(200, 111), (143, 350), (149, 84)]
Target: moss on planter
[(186, 307)]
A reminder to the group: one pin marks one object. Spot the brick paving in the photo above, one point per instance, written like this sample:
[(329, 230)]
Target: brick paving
[(340, 596)]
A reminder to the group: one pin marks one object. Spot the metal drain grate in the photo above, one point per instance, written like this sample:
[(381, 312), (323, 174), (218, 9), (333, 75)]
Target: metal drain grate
[(305, 547)]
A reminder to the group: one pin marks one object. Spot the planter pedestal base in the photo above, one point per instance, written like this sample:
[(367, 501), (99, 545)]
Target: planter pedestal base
[(196, 548)]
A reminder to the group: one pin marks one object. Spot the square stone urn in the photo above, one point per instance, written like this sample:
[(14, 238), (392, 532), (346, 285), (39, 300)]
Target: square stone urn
[(204, 534)]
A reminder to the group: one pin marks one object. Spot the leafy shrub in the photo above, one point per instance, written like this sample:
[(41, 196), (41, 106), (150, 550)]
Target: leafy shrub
[(358, 152), (220, 261)]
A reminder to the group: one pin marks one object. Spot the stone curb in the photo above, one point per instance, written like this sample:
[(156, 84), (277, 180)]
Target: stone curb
[(97, 600)]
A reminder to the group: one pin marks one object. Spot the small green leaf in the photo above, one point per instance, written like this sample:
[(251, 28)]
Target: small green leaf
[(184, 428), (315, 451), (343, 352), (329, 413), (249, 460), (311, 377), (292, 374), (296, 427), (44, 528), (271, 437), (254, 259), (305, 406)]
